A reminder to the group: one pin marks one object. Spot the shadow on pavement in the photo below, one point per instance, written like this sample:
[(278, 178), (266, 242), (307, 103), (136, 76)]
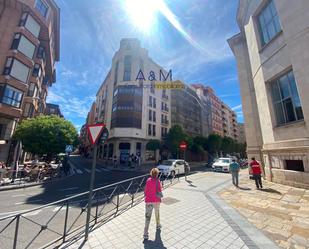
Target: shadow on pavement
[(270, 190), (157, 243), (244, 188), (190, 184)]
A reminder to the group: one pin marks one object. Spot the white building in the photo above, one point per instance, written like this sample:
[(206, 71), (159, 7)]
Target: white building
[(273, 57), (133, 110)]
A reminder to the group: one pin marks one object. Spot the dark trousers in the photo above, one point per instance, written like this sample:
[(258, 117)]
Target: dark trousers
[(258, 180)]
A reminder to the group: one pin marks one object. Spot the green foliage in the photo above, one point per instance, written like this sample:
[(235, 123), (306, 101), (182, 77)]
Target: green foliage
[(46, 134), (174, 137), (153, 144), (214, 143)]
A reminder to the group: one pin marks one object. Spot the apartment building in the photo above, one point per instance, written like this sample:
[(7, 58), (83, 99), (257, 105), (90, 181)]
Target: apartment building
[(133, 110), (52, 109), (187, 110), (29, 48), (229, 122), (272, 58)]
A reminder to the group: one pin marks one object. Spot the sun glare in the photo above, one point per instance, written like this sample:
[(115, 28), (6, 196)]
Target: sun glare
[(142, 13)]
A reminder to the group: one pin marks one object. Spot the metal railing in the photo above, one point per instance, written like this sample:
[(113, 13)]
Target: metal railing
[(50, 225)]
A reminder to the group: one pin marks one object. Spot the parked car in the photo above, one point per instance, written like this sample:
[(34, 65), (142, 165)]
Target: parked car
[(173, 167), (222, 164)]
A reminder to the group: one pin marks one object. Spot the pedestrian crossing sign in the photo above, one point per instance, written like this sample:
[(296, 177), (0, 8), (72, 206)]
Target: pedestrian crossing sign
[(95, 131), (68, 148)]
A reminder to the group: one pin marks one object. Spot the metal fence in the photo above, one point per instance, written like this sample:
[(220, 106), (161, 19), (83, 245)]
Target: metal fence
[(50, 225)]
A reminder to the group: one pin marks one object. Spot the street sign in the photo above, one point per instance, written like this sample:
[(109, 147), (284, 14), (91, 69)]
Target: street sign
[(69, 148), (104, 136), (94, 132), (183, 145)]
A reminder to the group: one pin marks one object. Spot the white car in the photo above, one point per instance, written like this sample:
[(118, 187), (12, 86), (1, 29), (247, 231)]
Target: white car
[(173, 167), (222, 164)]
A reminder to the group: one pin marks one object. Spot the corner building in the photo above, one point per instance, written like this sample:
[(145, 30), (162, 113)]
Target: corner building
[(29, 48), (272, 58), (133, 110)]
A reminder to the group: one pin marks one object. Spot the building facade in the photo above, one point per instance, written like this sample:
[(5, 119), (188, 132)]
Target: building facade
[(241, 133), (29, 48), (133, 110), (229, 122), (187, 110), (272, 58), (52, 109)]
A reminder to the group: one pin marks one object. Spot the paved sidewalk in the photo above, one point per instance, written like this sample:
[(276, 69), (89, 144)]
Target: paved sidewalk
[(282, 212), (192, 216)]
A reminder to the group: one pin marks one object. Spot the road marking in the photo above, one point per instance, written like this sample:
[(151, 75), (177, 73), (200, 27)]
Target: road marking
[(79, 171), (87, 170), (19, 195), (97, 170), (32, 213), (105, 169), (65, 189), (27, 202)]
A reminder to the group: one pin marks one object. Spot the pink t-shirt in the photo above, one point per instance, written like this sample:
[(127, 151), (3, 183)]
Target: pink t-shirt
[(150, 190)]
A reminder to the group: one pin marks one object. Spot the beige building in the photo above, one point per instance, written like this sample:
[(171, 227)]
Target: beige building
[(241, 133), (29, 48), (229, 122), (132, 109), (273, 57)]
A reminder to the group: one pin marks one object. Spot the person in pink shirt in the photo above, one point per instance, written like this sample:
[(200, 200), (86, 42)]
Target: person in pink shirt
[(153, 194)]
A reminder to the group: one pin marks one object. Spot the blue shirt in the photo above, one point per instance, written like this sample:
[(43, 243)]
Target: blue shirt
[(234, 166)]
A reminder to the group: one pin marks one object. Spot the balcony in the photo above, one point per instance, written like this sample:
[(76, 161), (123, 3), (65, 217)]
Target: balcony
[(164, 96), (164, 122)]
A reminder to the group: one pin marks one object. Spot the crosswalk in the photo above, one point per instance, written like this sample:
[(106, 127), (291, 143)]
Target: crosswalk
[(81, 171)]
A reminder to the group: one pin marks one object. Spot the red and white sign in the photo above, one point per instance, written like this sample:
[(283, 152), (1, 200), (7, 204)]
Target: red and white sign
[(183, 145), (95, 131)]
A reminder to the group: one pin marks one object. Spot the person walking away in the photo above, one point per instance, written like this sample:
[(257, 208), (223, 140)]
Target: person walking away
[(234, 168), (153, 195), (256, 172)]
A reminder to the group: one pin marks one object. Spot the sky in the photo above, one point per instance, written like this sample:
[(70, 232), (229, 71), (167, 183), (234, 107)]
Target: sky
[(186, 36)]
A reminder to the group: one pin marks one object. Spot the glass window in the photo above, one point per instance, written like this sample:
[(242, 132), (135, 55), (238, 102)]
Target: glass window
[(150, 101), (30, 24), (28, 110), (42, 7), (150, 115), (286, 99), (11, 96), (154, 103), (41, 53), (116, 73), (36, 71), (32, 90), (127, 68), (23, 45), (154, 116), (149, 130), (153, 130), (16, 69), (269, 25)]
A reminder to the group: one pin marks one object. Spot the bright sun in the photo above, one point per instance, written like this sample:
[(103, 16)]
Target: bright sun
[(142, 13)]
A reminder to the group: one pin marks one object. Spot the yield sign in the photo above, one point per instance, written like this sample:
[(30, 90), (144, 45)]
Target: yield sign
[(95, 132)]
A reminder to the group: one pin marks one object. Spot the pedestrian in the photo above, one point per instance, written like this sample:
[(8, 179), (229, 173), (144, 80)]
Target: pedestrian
[(234, 168), (115, 161), (153, 195), (256, 172)]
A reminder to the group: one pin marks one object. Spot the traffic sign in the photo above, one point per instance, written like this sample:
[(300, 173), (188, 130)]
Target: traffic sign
[(69, 148), (183, 145), (104, 136), (95, 131)]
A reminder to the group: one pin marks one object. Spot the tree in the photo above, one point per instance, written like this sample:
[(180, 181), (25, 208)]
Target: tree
[(228, 145), (46, 135), (174, 137), (153, 145), (214, 143)]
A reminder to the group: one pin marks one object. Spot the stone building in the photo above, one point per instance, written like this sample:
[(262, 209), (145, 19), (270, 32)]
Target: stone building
[(52, 109), (241, 133), (133, 110), (272, 58), (29, 48)]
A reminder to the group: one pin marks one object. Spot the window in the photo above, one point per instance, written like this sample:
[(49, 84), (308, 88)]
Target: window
[(286, 100), (28, 110), (42, 7), (154, 116), (23, 45), (16, 69), (41, 53), (154, 130), (10, 95), (154, 103), (2, 131), (296, 165), (127, 68), (152, 89), (36, 71), (30, 24), (116, 73), (150, 101), (269, 25), (149, 130), (32, 90), (150, 115)]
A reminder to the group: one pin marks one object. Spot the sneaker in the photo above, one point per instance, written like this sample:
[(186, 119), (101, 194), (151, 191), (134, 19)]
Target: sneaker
[(146, 236), (159, 227)]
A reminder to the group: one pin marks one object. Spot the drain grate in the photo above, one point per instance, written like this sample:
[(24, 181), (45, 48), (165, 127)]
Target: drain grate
[(169, 200)]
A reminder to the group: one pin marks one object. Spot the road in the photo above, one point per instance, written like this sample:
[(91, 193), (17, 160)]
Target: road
[(13, 201)]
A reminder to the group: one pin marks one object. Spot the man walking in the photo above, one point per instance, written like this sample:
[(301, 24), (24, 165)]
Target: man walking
[(234, 168), (256, 172)]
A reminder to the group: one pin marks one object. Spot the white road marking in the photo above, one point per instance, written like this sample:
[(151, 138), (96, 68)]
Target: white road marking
[(25, 202), (97, 170), (79, 171), (105, 169), (19, 195), (32, 213), (87, 170), (65, 189)]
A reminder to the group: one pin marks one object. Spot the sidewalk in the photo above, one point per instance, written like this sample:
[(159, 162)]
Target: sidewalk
[(192, 216), (282, 212)]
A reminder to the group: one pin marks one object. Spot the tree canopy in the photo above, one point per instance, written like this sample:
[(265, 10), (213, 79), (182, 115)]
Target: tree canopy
[(46, 134)]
